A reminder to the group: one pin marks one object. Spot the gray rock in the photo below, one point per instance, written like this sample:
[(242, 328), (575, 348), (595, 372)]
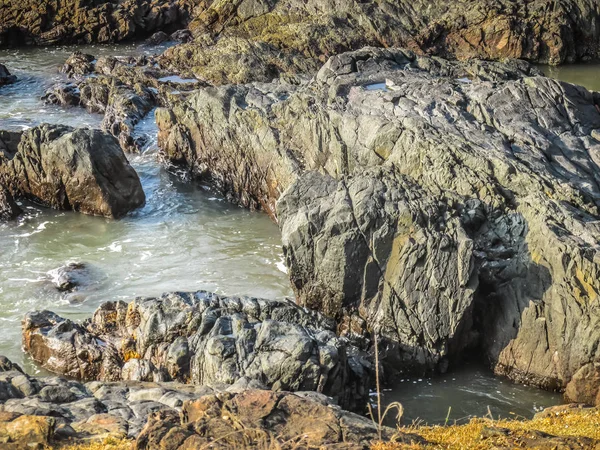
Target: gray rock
[(78, 64), (73, 169), (503, 230), (224, 339)]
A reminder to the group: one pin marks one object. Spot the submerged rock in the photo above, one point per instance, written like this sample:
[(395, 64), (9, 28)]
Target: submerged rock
[(203, 338), (70, 277), (495, 243), (5, 76), (72, 169)]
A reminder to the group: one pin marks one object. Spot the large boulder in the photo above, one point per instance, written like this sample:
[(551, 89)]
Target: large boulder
[(72, 169), (203, 338), (507, 160)]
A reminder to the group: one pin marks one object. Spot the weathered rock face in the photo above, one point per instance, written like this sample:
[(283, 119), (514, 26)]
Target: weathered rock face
[(5, 76), (386, 257), (508, 164), (257, 40), (9, 209), (90, 21), (202, 338), (252, 418), (73, 169), (123, 89), (50, 411)]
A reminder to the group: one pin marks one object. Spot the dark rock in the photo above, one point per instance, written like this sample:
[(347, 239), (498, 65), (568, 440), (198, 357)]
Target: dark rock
[(5, 76), (73, 169), (9, 210), (182, 36), (202, 338), (78, 64), (157, 38)]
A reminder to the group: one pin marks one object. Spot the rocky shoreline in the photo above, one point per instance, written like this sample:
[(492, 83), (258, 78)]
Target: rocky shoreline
[(436, 198)]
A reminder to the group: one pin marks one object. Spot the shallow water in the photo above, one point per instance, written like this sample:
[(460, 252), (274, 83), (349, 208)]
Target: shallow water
[(587, 75), (185, 238), (470, 391)]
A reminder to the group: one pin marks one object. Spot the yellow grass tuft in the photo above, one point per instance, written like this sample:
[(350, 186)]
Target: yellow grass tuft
[(574, 423)]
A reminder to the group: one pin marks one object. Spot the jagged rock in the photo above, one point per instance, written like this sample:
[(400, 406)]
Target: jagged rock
[(379, 247), (100, 21), (308, 420), (203, 338), (9, 209), (513, 155), (286, 38), (73, 169), (5, 76), (78, 64)]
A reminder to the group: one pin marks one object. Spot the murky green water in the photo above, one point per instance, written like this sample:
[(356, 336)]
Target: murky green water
[(587, 75), (185, 238)]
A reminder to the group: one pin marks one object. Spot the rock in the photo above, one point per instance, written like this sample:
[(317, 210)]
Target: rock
[(257, 40), (282, 416), (182, 36), (72, 169), (78, 64), (5, 76), (9, 210), (388, 251), (24, 432), (157, 38), (101, 21), (202, 338), (509, 205), (70, 276)]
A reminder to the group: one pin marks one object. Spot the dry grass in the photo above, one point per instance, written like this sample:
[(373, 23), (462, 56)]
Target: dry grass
[(574, 423), (107, 444)]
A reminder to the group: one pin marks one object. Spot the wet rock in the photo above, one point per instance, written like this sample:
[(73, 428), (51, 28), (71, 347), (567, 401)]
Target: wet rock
[(78, 64), (519, 201), (5, 76), (70, 276), (202, 338), (157, 38), (71, 169), (9, 210)]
